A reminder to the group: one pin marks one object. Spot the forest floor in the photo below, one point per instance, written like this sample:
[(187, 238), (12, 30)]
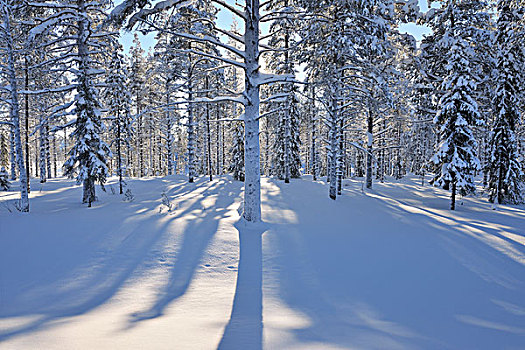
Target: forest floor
[(388, 268)]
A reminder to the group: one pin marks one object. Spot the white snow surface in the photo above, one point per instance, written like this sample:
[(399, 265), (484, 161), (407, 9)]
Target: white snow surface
[(390, 268)]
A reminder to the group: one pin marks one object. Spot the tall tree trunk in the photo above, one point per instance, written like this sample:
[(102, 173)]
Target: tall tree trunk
[(12, 162), (26, 98), (141, 145), (218, 137), (223, 150), (287, 134), (14, 111), (340, 161), (314, 135), (191, 135), (334, 147), (287, 116), (55, 156), (369, 149), (48, 152), (208, 133), (42, 159), (140, 171), (169, 140), (119, 153), (252, 182)]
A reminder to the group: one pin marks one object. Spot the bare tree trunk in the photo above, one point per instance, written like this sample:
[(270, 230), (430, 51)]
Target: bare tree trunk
[(369, 149), (55, 155), (313, 157), (208, 133), (340, 162), (287, 116), (191, 135), (453, 197), (15, 107), (219, 141), (119, 153), (43, 155), (252, 182), (48, 152), (26, 98), (12, 162), (334, 147)]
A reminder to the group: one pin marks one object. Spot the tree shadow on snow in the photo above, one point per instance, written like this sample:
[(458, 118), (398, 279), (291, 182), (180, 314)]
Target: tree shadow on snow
[(370, 273), (77, 273), (83, 286), (244, 329), (196, 237)]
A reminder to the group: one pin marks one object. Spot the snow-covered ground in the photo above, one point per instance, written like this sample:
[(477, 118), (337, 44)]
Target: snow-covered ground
[(390, 268)]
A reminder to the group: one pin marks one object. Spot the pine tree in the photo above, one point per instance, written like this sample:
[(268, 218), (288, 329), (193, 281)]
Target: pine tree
[(137, 86), (4, 150), (4, 179), (504, 169), (458, 112), (286, 162), (348, 49), (88, 156), (237, 154), (118, 99), (247, 59), (167, 66)]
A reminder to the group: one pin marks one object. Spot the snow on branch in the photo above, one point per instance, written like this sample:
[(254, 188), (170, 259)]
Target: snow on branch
[(218, 99), (277, 98), (265, 78), (65, 126), (228, 33), (211, 40), (219, 58), (265, 114), (50, 22), (66, 88), (230, 8), (125, 9)]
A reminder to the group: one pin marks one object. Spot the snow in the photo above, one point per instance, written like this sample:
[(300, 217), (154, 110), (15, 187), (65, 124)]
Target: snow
[(391, 268)]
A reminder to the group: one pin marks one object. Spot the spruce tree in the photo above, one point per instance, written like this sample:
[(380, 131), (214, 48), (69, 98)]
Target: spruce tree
[(4, 149), (4, 180), (504, 169), (89, 155), (237, 154), (456, 160)]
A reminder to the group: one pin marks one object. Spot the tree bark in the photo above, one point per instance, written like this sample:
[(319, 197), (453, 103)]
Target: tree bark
[(14, 111), (369, 148), (453, 197), (252, 182), (26, 98)]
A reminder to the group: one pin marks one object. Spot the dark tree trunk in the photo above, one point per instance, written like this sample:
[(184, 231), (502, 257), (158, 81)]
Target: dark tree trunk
[(453, 197), (369, 149), (26, 98)]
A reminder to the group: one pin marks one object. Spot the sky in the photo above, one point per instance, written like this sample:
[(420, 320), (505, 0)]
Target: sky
[(225, 20)]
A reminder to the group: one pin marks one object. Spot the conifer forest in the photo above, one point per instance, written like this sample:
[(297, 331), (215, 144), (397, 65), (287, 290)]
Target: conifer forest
[(278, 174)]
